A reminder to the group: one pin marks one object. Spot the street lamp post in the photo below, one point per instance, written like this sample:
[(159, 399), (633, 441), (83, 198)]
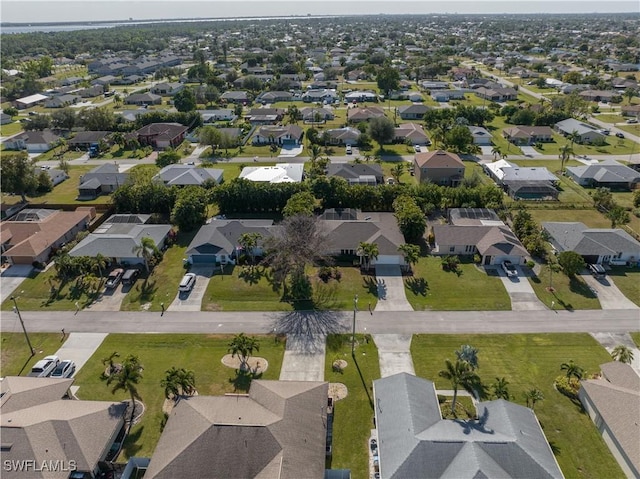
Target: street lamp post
[(17, 311), (353, 335)]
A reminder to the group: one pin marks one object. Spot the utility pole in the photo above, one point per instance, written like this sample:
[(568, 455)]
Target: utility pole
[(17, 311), (353, 335)]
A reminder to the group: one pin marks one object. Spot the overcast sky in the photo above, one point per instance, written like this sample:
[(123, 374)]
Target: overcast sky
[(79, 10)]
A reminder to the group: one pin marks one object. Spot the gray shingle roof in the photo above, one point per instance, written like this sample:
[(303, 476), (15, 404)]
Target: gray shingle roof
[(578, 237), (414, 440), (606, 171), (490, 240), (118, 240), (221, 236)]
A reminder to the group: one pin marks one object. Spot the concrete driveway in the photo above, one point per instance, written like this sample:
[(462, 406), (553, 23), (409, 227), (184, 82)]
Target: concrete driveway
[(394, 354), (11, 278), (304, 358), (110, 299), (522, 296), (391, 295), (609, 295), (610, 340), (192, 301), (79, 347)]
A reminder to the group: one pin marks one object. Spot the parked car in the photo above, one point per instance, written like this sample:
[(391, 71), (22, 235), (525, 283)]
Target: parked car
[(417, 148), (597, 270), (605, 132), (114, 278), (64, 369), (632, 120), (349, 150), (620, 134), (509, 268), (188, 280), (44, 367), (130, 276)]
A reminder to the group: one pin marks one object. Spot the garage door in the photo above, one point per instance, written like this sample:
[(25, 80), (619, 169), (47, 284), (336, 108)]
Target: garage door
[(203, 259), (389, 259)]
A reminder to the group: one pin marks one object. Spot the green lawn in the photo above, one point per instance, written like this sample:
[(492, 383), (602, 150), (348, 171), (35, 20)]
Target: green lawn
[(473, 290), (245, 289), (568, 293), (529, 361), (636, 337), (589, 217), (628, 281), (353, 416), (16, 359), (10, 128), (162, 285), (158, 353), (67, 191)]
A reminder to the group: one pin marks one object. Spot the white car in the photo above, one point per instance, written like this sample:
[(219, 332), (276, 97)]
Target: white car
[(509, 268), (349, 150), (64, 369), (188, 280), (417, 148), (44, 367)]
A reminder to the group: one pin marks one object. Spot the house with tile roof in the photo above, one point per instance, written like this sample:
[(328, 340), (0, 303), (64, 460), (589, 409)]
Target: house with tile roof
[(613, 404), (440, 167), (606, 173), (162, 135), (33, 235), (278, 430), (39, 423), (415, 441), (186, 175), (595, 245)]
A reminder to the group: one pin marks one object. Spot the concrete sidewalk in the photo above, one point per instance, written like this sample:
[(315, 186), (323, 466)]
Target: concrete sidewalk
[(304, 358), (394, 354)]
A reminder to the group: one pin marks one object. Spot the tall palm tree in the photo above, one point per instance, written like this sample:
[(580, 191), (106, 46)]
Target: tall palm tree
[(127, 379), (243, 346), (367, 251), (499, 388), (99, 263), (469, 354), (459, 374), (496, 152), (411, 254), (571, 369), (565, 154), (248, 242), (532, 396), (147, 249), (622, 353), (396, 171)]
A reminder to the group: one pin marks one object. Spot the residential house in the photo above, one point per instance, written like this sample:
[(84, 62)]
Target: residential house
[(241, 97), (481, 136), (447, 95), (280, 173), (584, 133), (357, 173), (323, 95), (434, 85), (143, 99), (103, 179), (415, 441), (496, 93), (528, 135), (410, 132), (632, 111), (33, 141), (274, 96), (606, 173), (613, 404), (356, 115), (346, 228), (604, 96), (5, 119), (358, 96), (440, 167), (56, 176), (60, 101), (217, 242), (277, 430), (343, 136), (104, 80), (162, 135), (280, 135), (187, 175), (167, 89), (91, 92), (119, 236), (41, 427), (30, 101), (595, 245), (33, 235), (317, 115), (212, 116), (265, 116), (85, 139), (415, 111), (524, 183)]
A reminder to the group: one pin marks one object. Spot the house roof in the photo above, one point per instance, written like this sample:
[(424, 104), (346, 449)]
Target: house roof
[(46, 137), (118, 240), (183, 175), (438, 159), (354, 170), (356, 114), (616, 397), (606, 171), (473, 217), (416, 108), (280, 173), (570, 125), (106, 174), (162, 131), (414, 440), (37, 425), (528, 131), (344, 133), (490, 240), (88, 137), (221, 236), (293, 131), (574, 236), (277, 430)]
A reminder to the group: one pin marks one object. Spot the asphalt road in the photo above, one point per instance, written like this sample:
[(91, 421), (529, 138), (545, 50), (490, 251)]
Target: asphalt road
[(310, 323)]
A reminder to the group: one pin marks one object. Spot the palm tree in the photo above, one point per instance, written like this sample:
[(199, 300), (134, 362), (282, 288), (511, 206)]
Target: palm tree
[(147, 249), (294, 114), (368, 251), (622, 353), (571, 369), (127, 379), (565, 153), (178, 382), (533, 396), (397, 171), (469, 354), (499, 388), (496, 152), (461, 375), (99, 263), (411, 254), (248, 242), (243, 346)]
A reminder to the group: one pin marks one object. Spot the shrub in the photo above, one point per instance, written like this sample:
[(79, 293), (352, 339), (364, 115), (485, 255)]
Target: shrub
[(325, 273), (567, 386)]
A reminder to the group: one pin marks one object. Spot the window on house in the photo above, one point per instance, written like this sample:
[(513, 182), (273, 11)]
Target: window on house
[(452, 249)]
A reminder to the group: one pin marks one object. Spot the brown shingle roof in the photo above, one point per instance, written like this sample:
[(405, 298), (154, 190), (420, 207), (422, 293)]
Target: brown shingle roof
[(438, 159)]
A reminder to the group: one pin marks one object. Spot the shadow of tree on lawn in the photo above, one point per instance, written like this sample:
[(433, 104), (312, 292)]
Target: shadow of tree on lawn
[(418, 286)]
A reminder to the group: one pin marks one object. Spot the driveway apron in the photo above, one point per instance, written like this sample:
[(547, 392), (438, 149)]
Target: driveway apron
[(11, 278), (394, 354), (609, 295), (79, 347), (391, 295), (522, 296), (610, 340), (192, 301), (304, 358)]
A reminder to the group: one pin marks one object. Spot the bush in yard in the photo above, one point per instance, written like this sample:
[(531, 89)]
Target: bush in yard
[(324, 273), (567, 386), (572, 263), (450, 263)]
